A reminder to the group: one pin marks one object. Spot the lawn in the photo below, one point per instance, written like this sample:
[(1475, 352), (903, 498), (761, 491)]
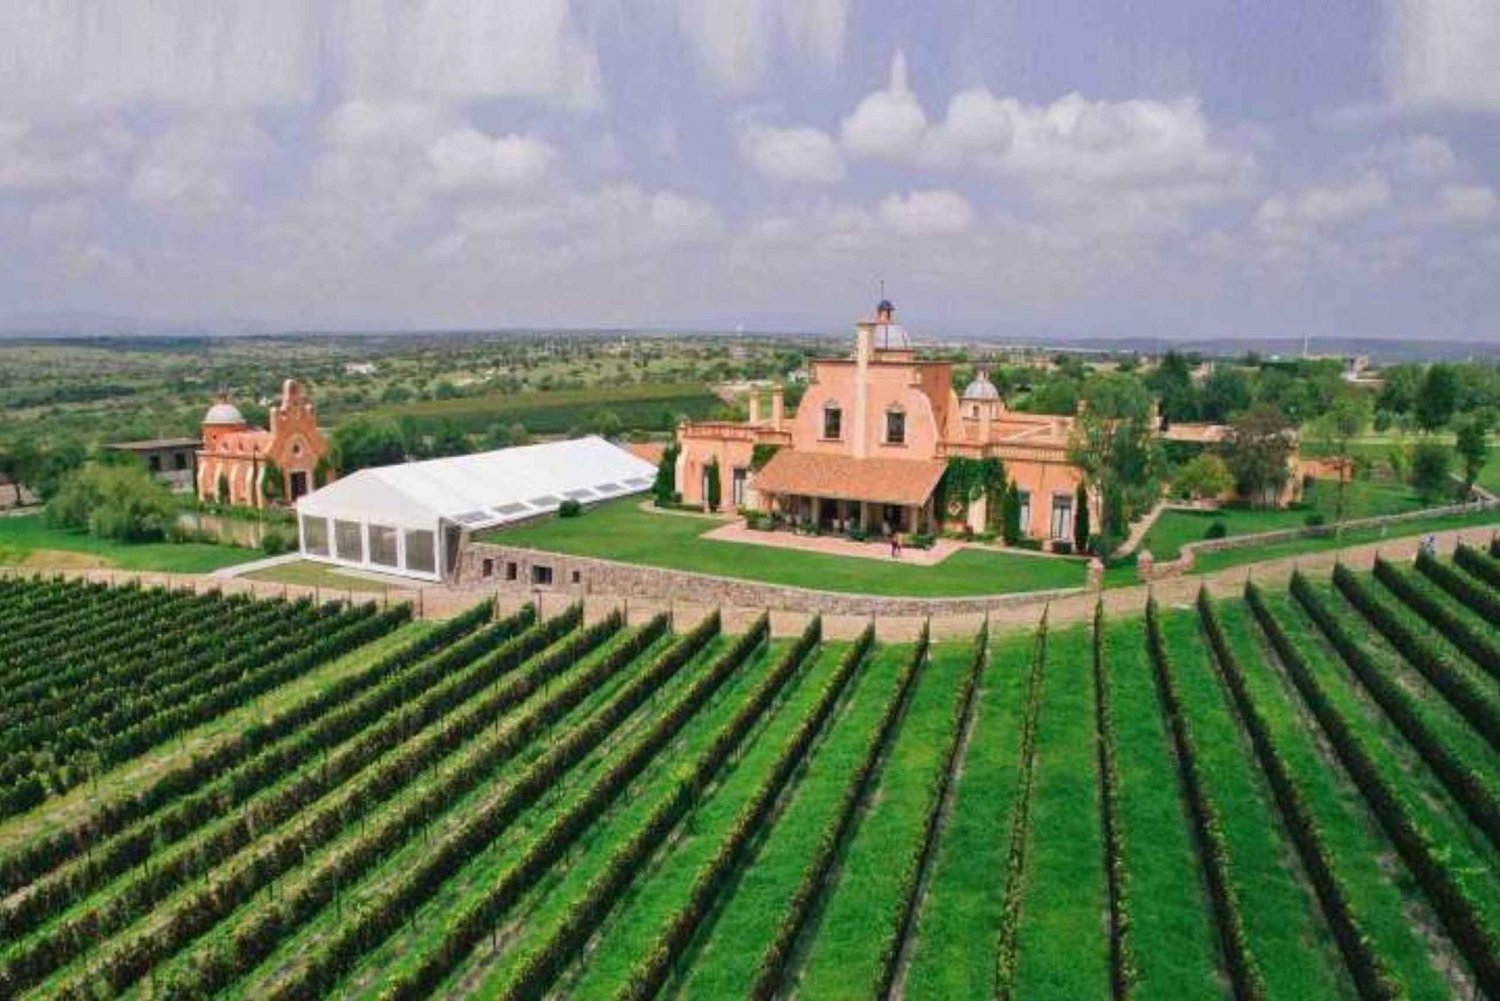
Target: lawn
[(1363, 499), (620, 530), (28, 539), (309, 574)]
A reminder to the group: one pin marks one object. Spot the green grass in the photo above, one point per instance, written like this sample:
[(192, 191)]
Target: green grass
[(1388, 910), (1280, 916), (726, 961), (1363, 499), (665, 890), (306, 573), (21, 536), (1171, 925), (958, 926), (863, 908), (1062, 943), (620, 530)]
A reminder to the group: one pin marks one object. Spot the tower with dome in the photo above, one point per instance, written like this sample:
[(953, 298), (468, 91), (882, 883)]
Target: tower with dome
[(255, 467)]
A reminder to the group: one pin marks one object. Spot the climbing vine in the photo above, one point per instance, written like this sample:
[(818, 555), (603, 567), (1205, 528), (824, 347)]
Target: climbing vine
[(966, 480), (762, 454)]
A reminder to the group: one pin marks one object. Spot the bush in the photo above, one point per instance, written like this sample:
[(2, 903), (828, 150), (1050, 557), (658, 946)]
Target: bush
[(273, 543), (1216, 530), (1429, 470), (569, 508), (1034, 545), (121, 502), (1315, 520), (921, 540), (1062, 547)]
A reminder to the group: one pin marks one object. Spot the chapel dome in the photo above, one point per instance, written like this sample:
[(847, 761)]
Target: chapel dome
[(981, 389), (223, 412)]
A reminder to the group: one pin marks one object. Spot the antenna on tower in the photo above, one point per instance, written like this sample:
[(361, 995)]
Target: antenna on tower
[(882, 287)]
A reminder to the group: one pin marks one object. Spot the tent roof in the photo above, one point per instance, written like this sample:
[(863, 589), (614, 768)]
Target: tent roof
[(485, 489)]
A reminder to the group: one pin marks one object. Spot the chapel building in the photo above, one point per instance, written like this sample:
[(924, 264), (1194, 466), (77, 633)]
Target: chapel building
[(238, 462)]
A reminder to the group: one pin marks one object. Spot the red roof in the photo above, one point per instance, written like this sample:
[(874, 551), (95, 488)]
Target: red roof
[(650, 451), (883, 481)]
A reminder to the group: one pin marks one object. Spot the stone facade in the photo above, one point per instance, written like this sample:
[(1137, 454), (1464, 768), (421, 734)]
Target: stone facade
[(514, 569)]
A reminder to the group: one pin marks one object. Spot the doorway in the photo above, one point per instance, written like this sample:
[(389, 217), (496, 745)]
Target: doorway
[(299, 484)]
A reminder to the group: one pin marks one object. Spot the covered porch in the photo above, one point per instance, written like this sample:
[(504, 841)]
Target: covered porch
[(840, 495)]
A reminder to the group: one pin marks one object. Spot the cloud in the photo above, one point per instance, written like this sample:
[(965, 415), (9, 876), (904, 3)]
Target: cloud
[(1421, 156), (1466, 205), (926, 213), (733, 40), (798, 155), (469, 159), (1293, 218), (195, 167), (888, 124), (34, 160), (1441, 53)]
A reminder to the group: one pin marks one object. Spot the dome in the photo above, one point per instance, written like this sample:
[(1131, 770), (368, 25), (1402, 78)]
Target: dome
[(981, 389), (223, 412)]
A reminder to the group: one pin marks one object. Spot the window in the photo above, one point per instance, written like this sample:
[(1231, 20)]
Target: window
[(737, 491), (314, 535), (349, 541), (1025, 506), (383, 546), (179, 460), (1062, 516), (487, 568), (576, 576), (895, 427), (421, 551), (512, 572), (154, 462), (541, 576), (833, 421)]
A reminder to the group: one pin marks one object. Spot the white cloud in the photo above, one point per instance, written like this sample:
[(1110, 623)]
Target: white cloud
[(927, 213), (52, 159), (467, 158), (1466, 205), (1421, 156), (799, 155), (56, 55), (1295, 218), (1442, 53), (458, 49), (733, 40), (888, 124), (196, 166)]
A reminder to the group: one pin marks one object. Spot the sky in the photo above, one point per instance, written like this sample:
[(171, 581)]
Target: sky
[(1054, 168)]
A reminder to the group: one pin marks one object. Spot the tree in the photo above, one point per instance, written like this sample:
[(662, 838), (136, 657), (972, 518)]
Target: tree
[(605, 424), (1115, 445), (272, 483), (1010, 514), (1259, 449), (1401, 385), (1172, 382), (1081, 519), (1336, 430), (665, 487), (448, 439), (1205, 476), (367, 441), (1473, 444), (1429, 470), (1439, 396), (124, 502), (713, 487), (1226, 392), (222, 489)]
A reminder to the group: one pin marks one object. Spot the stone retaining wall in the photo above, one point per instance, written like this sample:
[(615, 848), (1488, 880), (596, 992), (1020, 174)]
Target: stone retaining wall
[(518, 570)]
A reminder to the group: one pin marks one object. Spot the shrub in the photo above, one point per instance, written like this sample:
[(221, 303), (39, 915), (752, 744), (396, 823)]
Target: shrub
[(569, 508), (1429, 470), (120, 502), (1216, 530), (921, 540), (1315, 520), (273, 543), (1062, 547)]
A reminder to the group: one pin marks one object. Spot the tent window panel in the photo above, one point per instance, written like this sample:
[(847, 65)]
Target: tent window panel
[(314, 535), (383, 545), (421, 551), (349, 541)]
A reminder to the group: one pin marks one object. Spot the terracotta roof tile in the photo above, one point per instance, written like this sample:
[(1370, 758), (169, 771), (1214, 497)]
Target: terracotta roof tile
[(885, 481)]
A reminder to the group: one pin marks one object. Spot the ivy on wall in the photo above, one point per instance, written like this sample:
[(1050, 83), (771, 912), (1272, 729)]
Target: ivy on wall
[(761, 454), (965, 481)]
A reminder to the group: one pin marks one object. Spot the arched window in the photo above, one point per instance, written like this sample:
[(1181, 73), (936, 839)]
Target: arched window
[(895, 426), (833, 421)]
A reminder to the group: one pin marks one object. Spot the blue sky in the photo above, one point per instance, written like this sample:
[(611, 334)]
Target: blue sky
[(1059, 168)]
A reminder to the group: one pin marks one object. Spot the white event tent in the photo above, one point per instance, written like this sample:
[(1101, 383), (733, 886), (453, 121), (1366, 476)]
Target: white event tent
[(392, 518)]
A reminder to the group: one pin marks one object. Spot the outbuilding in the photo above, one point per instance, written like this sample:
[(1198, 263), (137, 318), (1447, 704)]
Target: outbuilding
[(411, 519)]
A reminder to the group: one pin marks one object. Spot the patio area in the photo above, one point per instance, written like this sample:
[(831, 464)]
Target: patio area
[(833, 545)]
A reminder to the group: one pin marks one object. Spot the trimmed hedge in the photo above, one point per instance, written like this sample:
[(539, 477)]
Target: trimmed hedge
[(1122, 964), (1244, 972), (1423, 597), (1372, 978), (1404, 711), (1449, 897), (1471, 703)]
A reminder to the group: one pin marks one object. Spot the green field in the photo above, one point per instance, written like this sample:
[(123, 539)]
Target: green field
[(620, 530), (648, 406), (27, 539), (1290, 794)]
